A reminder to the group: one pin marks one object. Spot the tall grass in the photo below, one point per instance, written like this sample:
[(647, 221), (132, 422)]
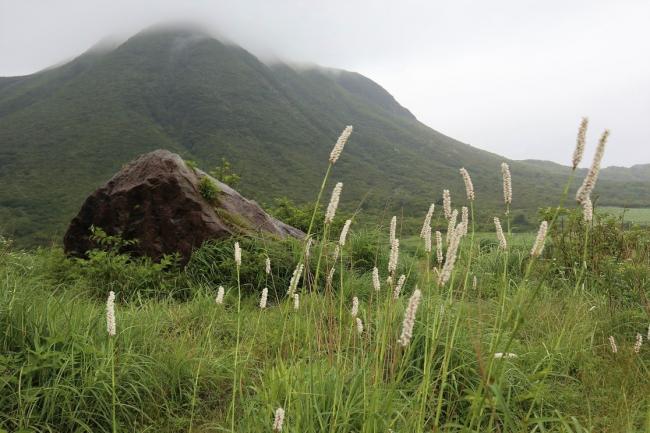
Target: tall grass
[(524, 348)]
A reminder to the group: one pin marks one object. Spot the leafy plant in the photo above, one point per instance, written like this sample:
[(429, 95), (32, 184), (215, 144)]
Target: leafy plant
[(208, 190), (193, 165), (224, 173), (299, 215), (110, 267)]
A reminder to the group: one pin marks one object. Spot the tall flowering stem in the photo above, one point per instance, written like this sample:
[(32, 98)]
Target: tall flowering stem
[(450, 260), (359, 326), (340, 143), (587, 216), (451, 225), (464, 218), (427, 241), (439, 255), (398, 287), (567, 186), (446, 203), (334, 203), (295, 279), (111, 330), (538, 246), (580, 143), (583, 196), (503, 244), (334, 156), (110, 314), (409, 318), (612, 343), (507, 186), (469, 186), (344, 233), (592, 176), (234, 379), (587, 210), (329, 218), (308, 245), (427, 220), (264, 297), (220, 294), (375, 279), (638, 343), (355, 307), (278, 420), (393, 258)]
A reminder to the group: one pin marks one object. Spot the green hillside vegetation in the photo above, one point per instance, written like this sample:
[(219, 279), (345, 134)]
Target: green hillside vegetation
[(512, 342), (640, 216), (66, 130)]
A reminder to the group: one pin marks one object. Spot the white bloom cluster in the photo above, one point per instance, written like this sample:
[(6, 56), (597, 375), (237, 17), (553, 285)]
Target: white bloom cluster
[(110, 314), (334, 203), (538, 246), (409, 318), (340, 143)]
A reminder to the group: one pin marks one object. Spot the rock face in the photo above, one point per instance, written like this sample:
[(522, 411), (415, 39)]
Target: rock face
[(156, 199)]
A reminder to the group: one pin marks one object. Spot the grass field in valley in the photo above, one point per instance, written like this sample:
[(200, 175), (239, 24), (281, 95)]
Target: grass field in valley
[(510, 342), (639, 216)]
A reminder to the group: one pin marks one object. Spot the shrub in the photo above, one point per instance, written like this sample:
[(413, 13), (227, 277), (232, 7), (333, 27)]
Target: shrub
[(208, 189), (109, 268), (299, 216), (213, 264)]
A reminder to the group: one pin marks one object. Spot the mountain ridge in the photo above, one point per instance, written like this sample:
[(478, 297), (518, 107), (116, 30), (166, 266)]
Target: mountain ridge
[(64, 131)]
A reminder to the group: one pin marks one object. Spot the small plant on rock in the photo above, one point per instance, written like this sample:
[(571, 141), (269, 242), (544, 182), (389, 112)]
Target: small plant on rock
[(208, 189)]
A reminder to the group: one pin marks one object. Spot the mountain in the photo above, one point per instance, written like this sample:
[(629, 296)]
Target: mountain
[(66, 130)]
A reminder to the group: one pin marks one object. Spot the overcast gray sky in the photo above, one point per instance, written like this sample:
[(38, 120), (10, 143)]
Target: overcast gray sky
[(510, 76)]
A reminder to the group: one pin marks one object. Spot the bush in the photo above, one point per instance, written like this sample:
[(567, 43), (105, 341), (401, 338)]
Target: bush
[(299, 216), (129, 277), (208, 189), (213, 264), (366, 251)]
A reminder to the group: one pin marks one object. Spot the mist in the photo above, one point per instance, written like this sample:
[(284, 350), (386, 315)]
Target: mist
[(511, 77)]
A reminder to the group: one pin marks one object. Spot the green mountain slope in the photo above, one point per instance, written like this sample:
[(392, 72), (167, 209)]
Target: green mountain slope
[(66, 130)]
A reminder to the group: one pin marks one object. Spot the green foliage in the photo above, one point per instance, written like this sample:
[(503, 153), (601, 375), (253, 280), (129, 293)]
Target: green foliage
[(109, 268), (300, 215), (175, 345), (618, 255), (208, 189), (191, 164), (639, 216), (111, 243), (224, 173), (366, 249), (213, 264), (55, 364), (297, 216)]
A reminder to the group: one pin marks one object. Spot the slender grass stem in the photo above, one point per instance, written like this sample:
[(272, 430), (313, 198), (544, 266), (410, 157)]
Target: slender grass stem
[(318, 198), (235, 366), (113, 390)]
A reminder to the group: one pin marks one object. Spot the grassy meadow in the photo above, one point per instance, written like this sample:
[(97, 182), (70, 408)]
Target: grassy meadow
[(640, 216), (501, 340)]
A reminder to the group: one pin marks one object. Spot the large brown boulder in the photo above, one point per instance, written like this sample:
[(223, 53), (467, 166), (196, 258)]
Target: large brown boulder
[(156, 199)]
